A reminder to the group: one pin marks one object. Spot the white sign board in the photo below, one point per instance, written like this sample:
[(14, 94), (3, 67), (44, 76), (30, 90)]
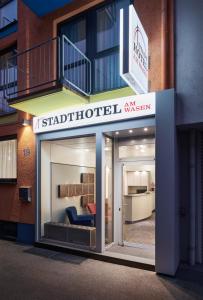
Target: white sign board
[(96, 113), (133, 51)]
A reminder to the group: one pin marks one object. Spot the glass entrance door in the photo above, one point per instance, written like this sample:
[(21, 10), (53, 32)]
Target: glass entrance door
[(138, 204)]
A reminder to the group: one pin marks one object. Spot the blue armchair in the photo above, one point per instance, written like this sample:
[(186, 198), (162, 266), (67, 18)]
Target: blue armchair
[(75, 219)]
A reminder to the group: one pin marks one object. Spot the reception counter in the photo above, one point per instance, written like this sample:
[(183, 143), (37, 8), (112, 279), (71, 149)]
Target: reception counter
[(138, 206)]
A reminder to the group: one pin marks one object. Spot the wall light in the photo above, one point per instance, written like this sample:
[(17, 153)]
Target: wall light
[(130, 131), (117, 132), (145, 129), (26, 122)]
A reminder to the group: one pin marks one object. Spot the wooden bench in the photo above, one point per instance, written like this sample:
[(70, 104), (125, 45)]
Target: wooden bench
[(75, 234)]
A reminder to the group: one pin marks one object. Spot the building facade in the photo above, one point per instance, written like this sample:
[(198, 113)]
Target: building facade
[(102, 170)]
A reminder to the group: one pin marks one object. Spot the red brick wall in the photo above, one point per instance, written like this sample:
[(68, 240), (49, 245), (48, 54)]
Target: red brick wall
[(11, 208), (156, 18)]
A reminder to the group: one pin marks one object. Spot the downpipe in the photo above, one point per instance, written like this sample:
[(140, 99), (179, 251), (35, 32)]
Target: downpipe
[(192, 198)]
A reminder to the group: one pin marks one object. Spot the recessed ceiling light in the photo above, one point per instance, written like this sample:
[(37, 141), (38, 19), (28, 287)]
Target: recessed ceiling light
[(130, 131), (145, 129), (86, 150), (117, 132)]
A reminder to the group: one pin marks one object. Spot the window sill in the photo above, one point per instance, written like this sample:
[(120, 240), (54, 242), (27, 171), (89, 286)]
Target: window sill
[(8, 181)]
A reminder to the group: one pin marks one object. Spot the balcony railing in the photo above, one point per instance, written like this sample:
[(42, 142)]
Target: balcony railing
[(52, 64), (76, 67)]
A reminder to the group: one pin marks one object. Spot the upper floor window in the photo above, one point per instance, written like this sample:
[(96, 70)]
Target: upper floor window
[(96, 34), (7, 73), (8, 12)]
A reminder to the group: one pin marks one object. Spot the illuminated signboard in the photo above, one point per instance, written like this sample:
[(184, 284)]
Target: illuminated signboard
[(97, 113), (133, 51)]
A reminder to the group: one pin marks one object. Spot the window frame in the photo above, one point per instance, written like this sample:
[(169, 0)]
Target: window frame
[(10, 180), (90, 17), (2, 53)]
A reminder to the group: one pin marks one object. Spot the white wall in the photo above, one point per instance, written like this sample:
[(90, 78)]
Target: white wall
[(45, 184), (139, 167), (71, 156), (65, 174)]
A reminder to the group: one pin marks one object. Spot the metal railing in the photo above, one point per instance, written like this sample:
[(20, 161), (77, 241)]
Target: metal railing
[(45, 66), (32, 70), (76, 68)]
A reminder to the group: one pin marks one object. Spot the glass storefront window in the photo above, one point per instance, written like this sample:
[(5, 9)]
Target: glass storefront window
[(68, 211)]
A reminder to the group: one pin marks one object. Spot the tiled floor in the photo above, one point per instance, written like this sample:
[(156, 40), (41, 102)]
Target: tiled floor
[(142, 232), (145, 252), (141, 237)]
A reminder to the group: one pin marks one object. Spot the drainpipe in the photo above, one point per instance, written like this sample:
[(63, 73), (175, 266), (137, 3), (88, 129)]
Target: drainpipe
[(164, 43), (167, 44), (192, 197), (199, 237)]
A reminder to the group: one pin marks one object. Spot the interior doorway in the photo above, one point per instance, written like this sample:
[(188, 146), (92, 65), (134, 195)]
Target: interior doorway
[(138, 205)]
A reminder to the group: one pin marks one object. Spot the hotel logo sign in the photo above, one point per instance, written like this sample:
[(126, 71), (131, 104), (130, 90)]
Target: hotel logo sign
[(97, 113), (133, 51)]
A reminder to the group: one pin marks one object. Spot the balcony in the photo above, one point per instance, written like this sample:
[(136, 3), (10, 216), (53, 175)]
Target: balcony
[(42, 8), (55, 70)]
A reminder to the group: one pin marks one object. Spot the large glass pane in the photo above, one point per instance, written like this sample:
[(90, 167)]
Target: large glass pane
[(107, 73), (68, 206), (8, 13), (108, 26), (8, 79), (76, 32), (108, 191)]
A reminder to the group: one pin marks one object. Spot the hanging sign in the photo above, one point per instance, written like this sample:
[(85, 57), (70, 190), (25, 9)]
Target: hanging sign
[(101, 112), (133, 51)]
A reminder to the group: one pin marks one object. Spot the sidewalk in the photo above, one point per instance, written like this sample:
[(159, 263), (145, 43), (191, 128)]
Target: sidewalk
[(31, 273)]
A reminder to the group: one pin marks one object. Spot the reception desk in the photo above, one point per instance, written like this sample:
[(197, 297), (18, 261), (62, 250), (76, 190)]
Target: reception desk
[(138, 206)]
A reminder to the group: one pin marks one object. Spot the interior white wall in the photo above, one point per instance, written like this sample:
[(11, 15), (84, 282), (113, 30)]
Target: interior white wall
[(139, 167), (80, 157), (45, 184), (65, 174)]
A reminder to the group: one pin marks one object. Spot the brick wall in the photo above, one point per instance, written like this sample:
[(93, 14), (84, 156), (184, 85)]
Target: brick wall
[(11, 209)]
